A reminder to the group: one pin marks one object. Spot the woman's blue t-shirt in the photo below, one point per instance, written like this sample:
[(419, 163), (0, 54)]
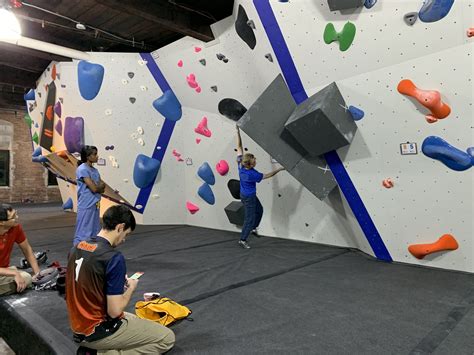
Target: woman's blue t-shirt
[(85, 197), (248, 179)]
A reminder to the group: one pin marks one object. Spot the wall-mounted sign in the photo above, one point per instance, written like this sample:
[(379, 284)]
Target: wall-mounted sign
[(408, 148), (101, 161)]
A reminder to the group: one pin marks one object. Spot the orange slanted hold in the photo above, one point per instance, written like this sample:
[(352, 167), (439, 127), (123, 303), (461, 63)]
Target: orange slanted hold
[(431, 99), (446, 242)]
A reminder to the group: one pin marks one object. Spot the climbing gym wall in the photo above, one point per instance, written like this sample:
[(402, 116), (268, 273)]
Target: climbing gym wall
[(369, 109)]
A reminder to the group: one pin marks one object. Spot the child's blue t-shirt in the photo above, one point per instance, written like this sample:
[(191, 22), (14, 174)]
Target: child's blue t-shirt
[(85, 197), (248, 179)]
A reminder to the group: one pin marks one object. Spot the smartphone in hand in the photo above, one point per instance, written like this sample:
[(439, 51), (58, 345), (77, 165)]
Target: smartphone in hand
[(136, 275)]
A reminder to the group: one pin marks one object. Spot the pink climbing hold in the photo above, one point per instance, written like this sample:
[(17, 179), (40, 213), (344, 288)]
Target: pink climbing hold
[(198, 140), (176, 153), (202, 128), (470, 32), (180, 63), (387, 183), (191, 79), (198, 89), (192, 208), (222, 167), (197, 49)]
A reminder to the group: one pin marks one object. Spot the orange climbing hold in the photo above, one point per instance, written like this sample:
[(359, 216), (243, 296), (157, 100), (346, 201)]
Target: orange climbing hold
[(53, 72), (445, 242), (431, 99), (387, 183), (50, 112)]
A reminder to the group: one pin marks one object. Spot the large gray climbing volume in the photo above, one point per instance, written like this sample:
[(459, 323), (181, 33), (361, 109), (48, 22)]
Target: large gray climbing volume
[(235, 212), (265, 121), (344, 4), (232, 109), (321, 123), (243, 29)]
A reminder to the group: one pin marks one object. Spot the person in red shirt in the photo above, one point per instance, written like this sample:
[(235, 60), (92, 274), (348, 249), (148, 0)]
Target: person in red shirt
[(12, 280)]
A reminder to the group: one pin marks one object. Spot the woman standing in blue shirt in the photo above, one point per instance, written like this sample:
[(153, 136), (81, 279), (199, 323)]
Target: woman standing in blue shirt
[(89, 190), (248, 190)]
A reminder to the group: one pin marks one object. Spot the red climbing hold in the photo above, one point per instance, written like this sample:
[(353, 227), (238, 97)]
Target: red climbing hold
[(222, 167), (180, 63), (202, 128), (445, 242), (470, 32), (198, 140), (387, 183), (431, 99), (197, 49), (53, 72), (198, 89), (192, 208), (191, 79)]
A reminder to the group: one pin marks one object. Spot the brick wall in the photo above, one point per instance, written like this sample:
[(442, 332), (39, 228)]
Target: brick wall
[(28, 180)]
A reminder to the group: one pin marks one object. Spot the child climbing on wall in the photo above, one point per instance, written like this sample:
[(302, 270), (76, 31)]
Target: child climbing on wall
[(248, 191), (89, 190)]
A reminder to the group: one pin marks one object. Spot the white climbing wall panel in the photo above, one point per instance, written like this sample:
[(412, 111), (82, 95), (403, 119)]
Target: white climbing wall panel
[(427, 200)]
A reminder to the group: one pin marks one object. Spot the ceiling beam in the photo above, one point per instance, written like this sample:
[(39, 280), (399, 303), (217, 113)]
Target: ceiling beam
[(32, 53), (153, 12), (24, 63)]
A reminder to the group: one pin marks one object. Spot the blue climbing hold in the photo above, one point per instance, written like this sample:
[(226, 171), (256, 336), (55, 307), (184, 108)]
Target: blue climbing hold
[(470, 151), (206, 194), (434, 10), (369, 3), (68, 205), (145, 171), (437, 148), (30, 95), (90, 77), (205, 173), (36, 157), (357, 113), (169, 106)]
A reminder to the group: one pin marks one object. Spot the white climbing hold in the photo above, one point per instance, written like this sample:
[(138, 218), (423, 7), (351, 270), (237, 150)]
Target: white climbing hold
[(142, 62), (140, 130), (108, 112), (155, 196), (115, 164), (125, 180), (143, 88), (140, 141), (134, 135), (124, 81), (139, 206)]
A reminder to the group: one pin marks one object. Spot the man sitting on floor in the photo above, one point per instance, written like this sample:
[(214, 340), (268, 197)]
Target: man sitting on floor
[(96, 297), (12, 280)]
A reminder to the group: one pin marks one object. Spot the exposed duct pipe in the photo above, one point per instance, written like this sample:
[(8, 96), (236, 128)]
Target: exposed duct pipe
[(48, 47)]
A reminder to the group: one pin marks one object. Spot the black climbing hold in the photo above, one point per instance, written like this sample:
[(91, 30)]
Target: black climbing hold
[(279, 195), (269, 57), (220, 56), (231, 109), (214, 88), (306, 224), (242, 28), (225, 60), (234, 188), (410, 18), (132, 99), (131, 75), (202, 61), (246, 149)]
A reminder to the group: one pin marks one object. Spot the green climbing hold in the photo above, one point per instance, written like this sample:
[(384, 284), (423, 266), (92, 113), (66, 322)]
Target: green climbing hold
[(28, 120), (345, 37), (35, 138)]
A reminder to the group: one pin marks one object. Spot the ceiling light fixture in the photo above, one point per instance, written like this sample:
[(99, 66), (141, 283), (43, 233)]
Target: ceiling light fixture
[(9, 26)]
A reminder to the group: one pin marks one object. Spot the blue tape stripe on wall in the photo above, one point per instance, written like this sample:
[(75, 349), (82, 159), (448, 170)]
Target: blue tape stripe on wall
[(166, 130), (293, 81)]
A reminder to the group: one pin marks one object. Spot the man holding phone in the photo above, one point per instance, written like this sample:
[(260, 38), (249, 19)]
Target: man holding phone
[(96, 297)]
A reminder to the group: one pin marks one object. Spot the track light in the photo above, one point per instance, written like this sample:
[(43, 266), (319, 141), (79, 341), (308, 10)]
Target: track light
[(9, 26)]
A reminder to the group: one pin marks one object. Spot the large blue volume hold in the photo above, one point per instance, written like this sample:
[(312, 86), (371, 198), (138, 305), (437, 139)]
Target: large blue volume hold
[(434, 10), (206, 194), (145, 171), (437, 148), (30, 95), (90, 77), (68, 205), (205, 173), (169, 106)]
